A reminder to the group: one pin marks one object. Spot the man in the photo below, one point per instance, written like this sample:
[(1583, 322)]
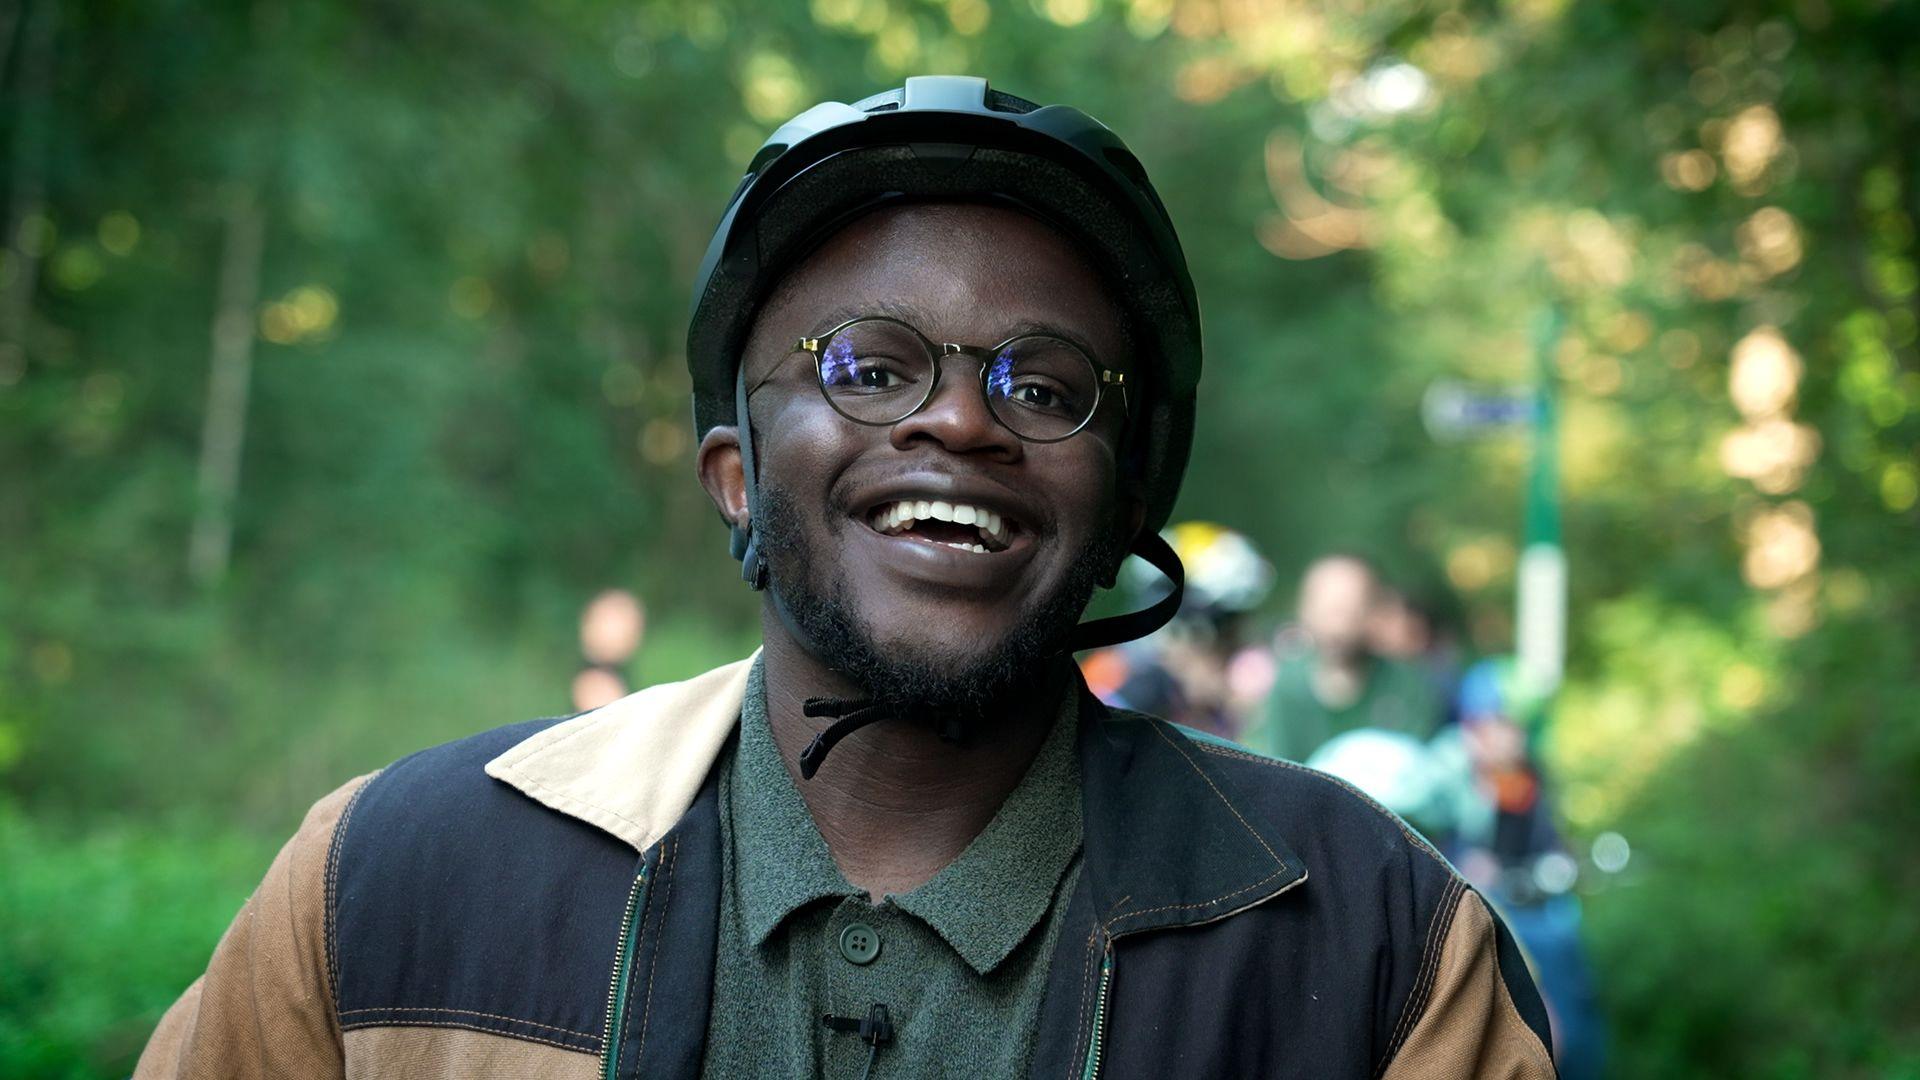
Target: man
[(901, 840), (1333, 682)]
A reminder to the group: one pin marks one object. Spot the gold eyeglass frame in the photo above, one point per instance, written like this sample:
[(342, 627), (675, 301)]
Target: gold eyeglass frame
[(1104, 376)]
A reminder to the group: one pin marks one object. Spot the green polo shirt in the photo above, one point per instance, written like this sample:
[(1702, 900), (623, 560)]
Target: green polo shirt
[(960, 962), (1396, 697)]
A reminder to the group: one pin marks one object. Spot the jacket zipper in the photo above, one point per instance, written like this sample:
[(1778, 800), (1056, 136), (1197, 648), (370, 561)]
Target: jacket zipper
[(617, 992), (1092, 1069)]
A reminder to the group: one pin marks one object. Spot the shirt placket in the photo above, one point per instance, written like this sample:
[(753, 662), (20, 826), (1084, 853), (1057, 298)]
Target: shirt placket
[(869, 952)]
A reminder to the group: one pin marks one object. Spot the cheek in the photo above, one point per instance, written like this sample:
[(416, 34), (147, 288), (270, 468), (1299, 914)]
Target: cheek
[(799, 451), (1086, 491)]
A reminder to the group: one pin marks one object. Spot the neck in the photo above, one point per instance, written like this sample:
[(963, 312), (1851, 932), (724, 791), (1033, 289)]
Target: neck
[(896, 802)]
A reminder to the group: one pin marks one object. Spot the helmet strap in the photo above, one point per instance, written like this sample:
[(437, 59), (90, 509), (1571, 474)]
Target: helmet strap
[(742, 542), (1100, 633), (851, 714)]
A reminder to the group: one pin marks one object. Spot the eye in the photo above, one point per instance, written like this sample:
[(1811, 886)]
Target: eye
[(1037, 396), (1037, 392), (853, 366), (878, 374)]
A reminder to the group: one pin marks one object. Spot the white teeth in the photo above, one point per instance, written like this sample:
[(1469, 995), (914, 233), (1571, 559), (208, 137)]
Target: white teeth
[(899, 517)]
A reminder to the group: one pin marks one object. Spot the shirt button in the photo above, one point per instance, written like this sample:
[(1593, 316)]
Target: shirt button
[(859, 943)]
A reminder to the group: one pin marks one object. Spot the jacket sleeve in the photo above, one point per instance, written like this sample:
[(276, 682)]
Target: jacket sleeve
[(265, 1006), (1480, 1016)]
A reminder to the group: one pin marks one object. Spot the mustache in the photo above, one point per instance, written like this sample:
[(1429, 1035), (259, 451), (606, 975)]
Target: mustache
[(923, 681)]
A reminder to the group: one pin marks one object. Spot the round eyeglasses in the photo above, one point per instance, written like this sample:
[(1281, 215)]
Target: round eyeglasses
[(879, 371)]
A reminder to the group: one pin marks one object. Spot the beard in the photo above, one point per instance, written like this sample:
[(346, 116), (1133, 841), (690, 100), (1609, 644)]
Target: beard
[(927, 681)]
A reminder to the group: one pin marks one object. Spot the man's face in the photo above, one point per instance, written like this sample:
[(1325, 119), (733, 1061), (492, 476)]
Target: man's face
[(1336, 602), (920, 606)]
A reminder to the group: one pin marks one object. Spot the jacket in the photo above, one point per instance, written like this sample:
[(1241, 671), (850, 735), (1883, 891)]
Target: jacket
[(540, 900)]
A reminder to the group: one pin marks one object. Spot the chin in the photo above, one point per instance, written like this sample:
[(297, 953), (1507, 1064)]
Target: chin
[(936, 660)]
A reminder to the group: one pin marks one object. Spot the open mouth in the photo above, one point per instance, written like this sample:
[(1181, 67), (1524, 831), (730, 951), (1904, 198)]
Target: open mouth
[(965, 526)]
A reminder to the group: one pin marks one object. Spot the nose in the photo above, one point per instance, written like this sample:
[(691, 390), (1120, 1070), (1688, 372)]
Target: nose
[(957, 418)]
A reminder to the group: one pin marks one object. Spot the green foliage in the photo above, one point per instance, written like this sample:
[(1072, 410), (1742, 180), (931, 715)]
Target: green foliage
[(1777, 957), (467, 414), (102, 929)]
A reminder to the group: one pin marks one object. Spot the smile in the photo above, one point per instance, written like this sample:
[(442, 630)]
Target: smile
[(963, 526)]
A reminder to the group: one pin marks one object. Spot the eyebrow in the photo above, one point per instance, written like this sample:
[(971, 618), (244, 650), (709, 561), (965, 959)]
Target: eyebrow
[(917, 317), (904, 311)]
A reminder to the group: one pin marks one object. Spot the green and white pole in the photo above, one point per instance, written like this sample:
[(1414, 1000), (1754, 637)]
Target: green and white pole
[(1540, 617)]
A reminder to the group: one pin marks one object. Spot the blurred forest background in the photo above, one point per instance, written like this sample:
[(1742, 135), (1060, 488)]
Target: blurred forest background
[(340, 364)]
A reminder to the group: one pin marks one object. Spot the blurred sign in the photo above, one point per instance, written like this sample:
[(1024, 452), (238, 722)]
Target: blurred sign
[(1540, 639), (1453, 410)]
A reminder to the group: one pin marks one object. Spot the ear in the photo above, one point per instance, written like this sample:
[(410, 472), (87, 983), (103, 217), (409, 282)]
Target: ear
[(718, 463)]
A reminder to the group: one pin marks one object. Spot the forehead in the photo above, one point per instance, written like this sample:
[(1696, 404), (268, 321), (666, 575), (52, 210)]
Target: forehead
[(966, 273)]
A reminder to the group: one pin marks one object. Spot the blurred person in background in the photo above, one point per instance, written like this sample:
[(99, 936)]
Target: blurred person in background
[(1186, 672), (1330, 678), (612, 626), (1420, 628), (1505, 840), (901, 839)]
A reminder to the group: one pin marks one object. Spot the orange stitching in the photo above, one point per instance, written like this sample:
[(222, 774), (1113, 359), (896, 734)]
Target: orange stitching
[(1230, 751), (640, 929), (653, 966), (462, 1027), (619, 943), (1217, 794), (1281, 868), (330, 924), (1427, 974), (471, 1012), (1204, 903), (1086, 994)]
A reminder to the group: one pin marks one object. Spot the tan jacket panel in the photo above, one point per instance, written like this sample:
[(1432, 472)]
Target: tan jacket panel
[(264, 1008), (449, 1053), (1470, 1027)]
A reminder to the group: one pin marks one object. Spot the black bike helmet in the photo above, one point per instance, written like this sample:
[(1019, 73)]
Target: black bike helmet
[(951, 138)]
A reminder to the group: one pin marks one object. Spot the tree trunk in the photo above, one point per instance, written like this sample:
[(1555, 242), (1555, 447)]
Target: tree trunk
[(230, 368), (26, 184)]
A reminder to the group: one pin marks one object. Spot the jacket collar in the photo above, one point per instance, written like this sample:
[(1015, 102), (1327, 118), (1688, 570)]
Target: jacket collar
[(1167, 839), (632, 767)]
